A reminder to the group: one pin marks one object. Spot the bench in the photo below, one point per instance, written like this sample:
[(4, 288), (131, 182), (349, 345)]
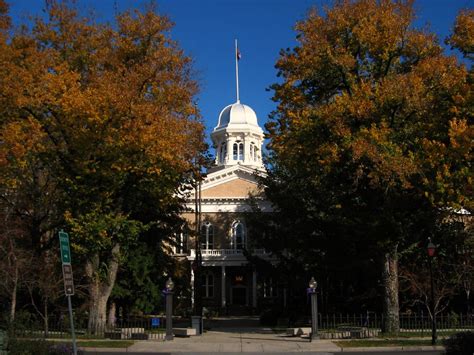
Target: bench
[(184, 332), (355, 332), (294, 332), (126, 333)]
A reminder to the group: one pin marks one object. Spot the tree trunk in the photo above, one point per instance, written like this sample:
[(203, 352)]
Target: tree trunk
[(390, 301), (100, 289), (111, 319), (45, 318), (14, 294)]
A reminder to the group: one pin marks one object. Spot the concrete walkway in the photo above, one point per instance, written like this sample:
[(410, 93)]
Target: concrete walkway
[(243, 335), (247, 340), (236, 340)]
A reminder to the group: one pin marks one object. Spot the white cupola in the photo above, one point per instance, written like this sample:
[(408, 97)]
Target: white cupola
[(238, 138)]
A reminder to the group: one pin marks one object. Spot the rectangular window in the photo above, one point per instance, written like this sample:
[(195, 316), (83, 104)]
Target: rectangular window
[(270, 289), (182, 243), (208, 286)]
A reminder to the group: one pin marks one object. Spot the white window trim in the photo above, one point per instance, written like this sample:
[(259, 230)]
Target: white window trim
[(206, 243), (234, 235)]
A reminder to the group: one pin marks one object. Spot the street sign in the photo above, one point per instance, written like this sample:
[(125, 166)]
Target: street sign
[(66, 259), (68, 280), (64, 246)]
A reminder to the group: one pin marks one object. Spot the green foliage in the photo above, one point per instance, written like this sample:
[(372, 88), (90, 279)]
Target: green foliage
[(138, 286), (97, 231)]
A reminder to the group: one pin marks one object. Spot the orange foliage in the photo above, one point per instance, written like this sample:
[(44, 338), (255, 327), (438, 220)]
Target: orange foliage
[(366, 91)]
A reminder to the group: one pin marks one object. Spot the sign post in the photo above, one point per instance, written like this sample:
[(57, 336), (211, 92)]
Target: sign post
[(68, 280)]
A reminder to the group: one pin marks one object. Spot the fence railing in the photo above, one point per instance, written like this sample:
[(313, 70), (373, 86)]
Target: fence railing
[(153, 328), (409, 323), (149, 328)]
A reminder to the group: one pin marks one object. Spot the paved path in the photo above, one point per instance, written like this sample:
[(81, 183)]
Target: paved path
[(236, 340), (248, 341), (232, 335)]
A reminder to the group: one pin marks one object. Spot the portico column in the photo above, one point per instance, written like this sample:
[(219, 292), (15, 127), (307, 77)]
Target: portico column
[(254, 289), (223, 301)]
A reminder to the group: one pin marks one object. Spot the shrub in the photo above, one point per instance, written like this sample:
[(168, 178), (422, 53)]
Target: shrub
[(460, 344), (37, 347), (269, 317), (27, 347)]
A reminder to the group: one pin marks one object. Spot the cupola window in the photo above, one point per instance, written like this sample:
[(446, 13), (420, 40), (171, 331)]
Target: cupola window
[(238, 151), (253, 152)]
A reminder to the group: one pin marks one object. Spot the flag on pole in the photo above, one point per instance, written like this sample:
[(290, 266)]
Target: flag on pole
[(238, 54)]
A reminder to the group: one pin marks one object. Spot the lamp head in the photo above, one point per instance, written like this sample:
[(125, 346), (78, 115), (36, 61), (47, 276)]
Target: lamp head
[(313, 284), (169, 284), (431, 248)]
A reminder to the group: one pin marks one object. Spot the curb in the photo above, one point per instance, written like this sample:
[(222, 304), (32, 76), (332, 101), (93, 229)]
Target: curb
[(392, 348)]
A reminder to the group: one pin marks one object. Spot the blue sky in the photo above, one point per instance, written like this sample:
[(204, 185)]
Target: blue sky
[(206, 30)]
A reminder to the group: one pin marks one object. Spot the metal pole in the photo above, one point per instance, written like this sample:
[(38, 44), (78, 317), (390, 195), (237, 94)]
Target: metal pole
[(169, 316), (433, 314), (237, 70), (73, 333), (198, 259), (314, 316)]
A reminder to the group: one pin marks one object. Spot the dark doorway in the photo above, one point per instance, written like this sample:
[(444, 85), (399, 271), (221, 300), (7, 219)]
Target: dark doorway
[(239, 296)]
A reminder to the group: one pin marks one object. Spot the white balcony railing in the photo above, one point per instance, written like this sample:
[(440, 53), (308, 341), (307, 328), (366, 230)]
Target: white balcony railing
[(226, 253)]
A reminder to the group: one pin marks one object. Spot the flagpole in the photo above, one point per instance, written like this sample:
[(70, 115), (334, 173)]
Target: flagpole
[(237, 70)]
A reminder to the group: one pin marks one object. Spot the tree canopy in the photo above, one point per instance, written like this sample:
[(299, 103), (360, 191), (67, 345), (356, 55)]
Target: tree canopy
[(372, 137), (98, 125)]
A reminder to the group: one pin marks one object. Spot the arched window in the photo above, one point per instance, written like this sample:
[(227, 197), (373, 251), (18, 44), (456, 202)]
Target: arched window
[(253, 152), (238, 235), (207, 236), (207, 283), (238, 151), (235, 151)]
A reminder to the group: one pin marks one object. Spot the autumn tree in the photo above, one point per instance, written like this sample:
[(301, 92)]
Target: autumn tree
[(452, 266), (369, 141), (463, 34), (109, 110)]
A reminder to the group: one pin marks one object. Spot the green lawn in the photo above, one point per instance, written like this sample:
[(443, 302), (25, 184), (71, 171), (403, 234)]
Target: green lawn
[(105, 343), (419, 334), (386, 342)]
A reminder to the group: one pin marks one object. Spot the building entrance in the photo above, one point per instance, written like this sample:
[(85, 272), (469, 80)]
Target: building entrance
[(239, 296)]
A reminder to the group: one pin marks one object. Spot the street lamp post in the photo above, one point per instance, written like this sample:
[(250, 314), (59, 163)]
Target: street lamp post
[(431, 249), (169, 309), (314, 309)]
